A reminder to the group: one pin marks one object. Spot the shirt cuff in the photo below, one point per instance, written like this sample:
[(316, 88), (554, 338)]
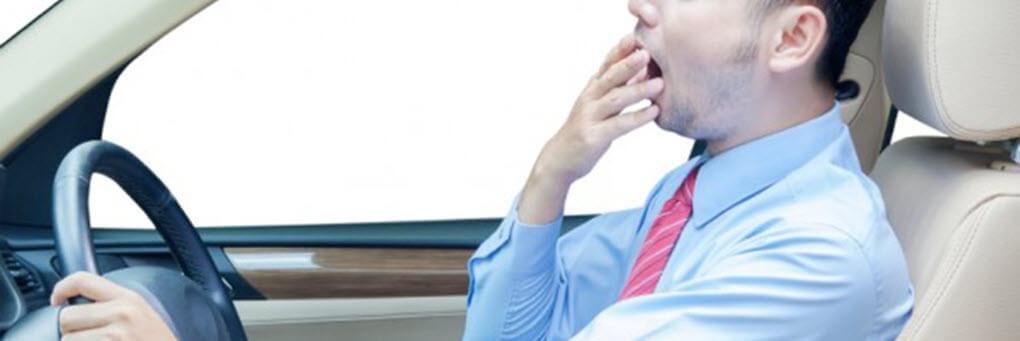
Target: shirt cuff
[(534, 245)]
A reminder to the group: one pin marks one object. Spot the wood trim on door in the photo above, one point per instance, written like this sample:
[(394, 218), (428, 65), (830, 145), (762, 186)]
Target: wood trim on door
[(352, 272)]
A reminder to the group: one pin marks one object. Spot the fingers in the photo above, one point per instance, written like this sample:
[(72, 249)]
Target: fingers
[(106, 333), (87, 316), (640, 77), (85, 284), (625, 123), (620, 98), (618, 74), (626, 45), (118, 314)]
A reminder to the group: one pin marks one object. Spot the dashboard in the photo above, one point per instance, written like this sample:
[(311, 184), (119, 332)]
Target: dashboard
[(30, 266), (22, 287)]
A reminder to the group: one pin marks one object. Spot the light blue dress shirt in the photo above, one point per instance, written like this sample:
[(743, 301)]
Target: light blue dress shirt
[(788, 240)]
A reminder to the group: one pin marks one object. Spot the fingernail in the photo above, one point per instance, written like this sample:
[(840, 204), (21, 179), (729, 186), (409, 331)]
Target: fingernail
[(653, 110)]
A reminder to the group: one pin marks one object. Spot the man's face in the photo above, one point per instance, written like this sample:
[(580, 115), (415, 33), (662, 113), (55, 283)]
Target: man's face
[(706, 52)]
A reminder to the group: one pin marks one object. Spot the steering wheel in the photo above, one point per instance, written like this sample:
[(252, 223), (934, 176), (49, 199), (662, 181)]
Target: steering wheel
[(195, 304)]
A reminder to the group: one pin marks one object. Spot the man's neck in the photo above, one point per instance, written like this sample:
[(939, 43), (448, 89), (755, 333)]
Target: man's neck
[(778, 116)]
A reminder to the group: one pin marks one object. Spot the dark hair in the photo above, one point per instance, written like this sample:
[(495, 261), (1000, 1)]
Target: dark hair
[(845, 18)]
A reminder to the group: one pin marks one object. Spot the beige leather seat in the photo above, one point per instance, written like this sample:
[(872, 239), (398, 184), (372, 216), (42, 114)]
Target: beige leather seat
[(955, 205)]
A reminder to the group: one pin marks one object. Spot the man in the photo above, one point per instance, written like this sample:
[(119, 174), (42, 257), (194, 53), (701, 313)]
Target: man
[(774, 233)]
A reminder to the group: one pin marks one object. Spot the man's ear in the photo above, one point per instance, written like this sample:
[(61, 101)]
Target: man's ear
[(799, 37)]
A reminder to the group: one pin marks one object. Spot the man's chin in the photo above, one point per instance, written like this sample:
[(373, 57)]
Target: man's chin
[(665, 123), (676, 122), (665, 116)]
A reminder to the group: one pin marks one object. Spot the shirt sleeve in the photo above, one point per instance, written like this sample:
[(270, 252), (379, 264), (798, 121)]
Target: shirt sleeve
[(796, 284), (513, 281)]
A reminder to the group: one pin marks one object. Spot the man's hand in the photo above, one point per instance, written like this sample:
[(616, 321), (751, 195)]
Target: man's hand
[(117, 314), (594, 123)]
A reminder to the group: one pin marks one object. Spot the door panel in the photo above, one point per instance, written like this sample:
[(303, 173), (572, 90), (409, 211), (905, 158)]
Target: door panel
[(280, 273), (413, 318), (379, 281)]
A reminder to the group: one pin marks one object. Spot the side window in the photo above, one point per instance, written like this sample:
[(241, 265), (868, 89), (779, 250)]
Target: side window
[(309, 112)]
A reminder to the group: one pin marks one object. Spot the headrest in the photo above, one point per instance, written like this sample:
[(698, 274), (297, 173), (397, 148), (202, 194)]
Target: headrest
[(955, 65)]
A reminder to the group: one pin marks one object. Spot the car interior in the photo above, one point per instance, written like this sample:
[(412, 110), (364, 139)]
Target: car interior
[(953, 201)]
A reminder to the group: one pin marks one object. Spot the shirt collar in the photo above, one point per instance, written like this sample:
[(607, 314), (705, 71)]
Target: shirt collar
[(728, 178)]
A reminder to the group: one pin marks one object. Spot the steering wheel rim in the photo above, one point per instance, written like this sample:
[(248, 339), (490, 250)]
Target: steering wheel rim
[(72, 229)]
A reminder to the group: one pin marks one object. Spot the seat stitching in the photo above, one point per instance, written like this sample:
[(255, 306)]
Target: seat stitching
[(960, 252), (936, 88)]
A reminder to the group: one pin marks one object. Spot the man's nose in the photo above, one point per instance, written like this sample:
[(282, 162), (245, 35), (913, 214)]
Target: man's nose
[(646, 13)]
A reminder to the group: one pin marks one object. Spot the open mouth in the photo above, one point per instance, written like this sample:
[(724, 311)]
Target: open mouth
[(653, 69)]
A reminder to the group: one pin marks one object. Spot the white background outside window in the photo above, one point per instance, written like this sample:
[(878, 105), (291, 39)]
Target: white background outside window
[(294, 112), (265, 112), (15, 14)]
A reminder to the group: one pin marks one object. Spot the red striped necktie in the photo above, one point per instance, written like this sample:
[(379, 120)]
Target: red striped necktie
[(659, 241)]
